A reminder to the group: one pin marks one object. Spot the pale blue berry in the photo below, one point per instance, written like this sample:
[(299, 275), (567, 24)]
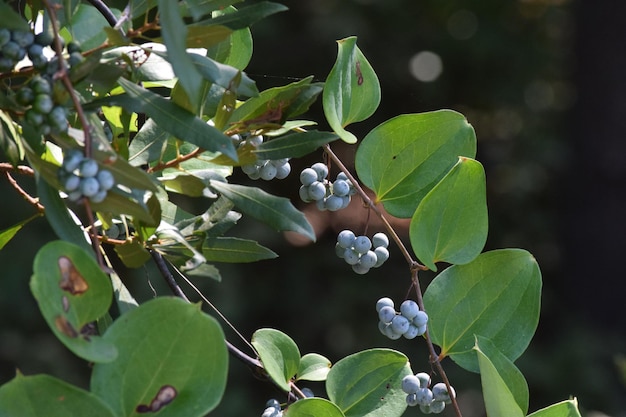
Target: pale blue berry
[(424, 379), (308, 392), (308, 176), (333, 203), (273, 403), (422, 329), (440, 393), (72, 159), (269, 412), (391, 334), (425, 408), (382, 254), (255, 140), (380, 239), (283, 171), (342, 176), (249, 169), (304, 194), (345, 238), (409, 309), (72, 183), (350, 256), (261, 162), (99, 197), (106, 180), (255, 175), (321, 169), (89, 186), (382, 327), (88, 168), (345, 201), (268, 172), (424, 396), (279, 162), (360, 269), (384, 302), (368, 259), (317, 190), (437, 407), (339, 250), (362, 244), (75, 195), (412, 333), (420, 319), (410, 384), (321, 204), (411, 400), (341, 188), (386, 314), (400, 324)]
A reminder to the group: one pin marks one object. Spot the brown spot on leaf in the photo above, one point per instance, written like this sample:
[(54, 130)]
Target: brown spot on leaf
[(359, 74), (66, 304), (65, 326), (166, 395), (71, 280)]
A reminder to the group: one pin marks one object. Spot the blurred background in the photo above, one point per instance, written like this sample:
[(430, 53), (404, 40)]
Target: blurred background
[(541, 81)]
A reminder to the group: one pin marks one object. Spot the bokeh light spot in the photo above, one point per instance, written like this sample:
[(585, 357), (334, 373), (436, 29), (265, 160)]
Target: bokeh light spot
[(426, 66)]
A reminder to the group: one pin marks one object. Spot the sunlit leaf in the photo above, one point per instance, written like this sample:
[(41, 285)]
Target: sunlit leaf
[(279, 354), (313, 367), (568, 408), (9, 233), (313, 407), (235, 250)]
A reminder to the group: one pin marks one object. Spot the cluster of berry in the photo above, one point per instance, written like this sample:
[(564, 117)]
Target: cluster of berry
[(82, 177), (327, 196), (361, 252), (430, 401), (264, 169), (43, 114), (409, 322)]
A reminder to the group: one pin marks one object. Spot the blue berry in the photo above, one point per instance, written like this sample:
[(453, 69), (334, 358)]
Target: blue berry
[(43, 103), (345, 202), (410, 384), (411, 400), (424, 379), (99, 197), (308, 392), (422, 329), (317, 190), (23, 38), (350, 256), (380, 240), (386, 314), (308, 176), (5, 36), (249, 169), (303, 192), (412, 332), (106, 180), (255, 140), (382, 254), (339, 250), (72, 160), (273, 403), (268, 172), (345, 238), (270, 412), (400, 324), (89, 187), (425, 408), (437, 407), (283, 171), (440, 393), (360, 269), (362, 244), (333, 203), (420, 319), (88, 168), (384, 302), (72, 183), (424, 396), (13, 51), (341, 188), (409, 309), (368, 259), (321, 169)]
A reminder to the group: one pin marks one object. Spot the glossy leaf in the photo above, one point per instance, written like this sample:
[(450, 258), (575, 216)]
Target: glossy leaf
[(279, 354), (450, 224), (496, 296), (313, 367), (44, 395), (235, 250), (368, 383), (164, 344), (568, 408), (504, 388), (277, 212), (148, 145), (174, 119), (245, 16), (87, 26), (351, 91), (72, 291), (313, 407), (174, 32), (9, 233), (235, 51), (402, 159), (223, 75), (294, 145)]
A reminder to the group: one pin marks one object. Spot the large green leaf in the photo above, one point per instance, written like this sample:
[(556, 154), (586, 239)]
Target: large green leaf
[(72, 291), (313, 407), (148, 145), (235, 250), (279, 354), (10, 19), (450, 224), (86, 26), (174, 32), (223, 75), (44, 395), (496, 296), (9, 233), (351, 91), (235, 51), (277, 212), (168, 348), (504, 388), (402, 159), (368, 383), (567, 408), (294, 145), (244, 16), (172, 118), (313, 367)]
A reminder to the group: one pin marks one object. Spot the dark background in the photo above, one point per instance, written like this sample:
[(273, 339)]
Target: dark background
[(541, 81)]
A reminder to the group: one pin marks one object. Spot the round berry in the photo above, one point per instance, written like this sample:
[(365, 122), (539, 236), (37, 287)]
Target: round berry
[(339, 250), (269, 412), (317, 190), (382, 327), (44, 38), (273, 403), (412, 333), (345, 238), (421, 330), (380, 240), (350, 256), (424, 396), (255, 175), (283, 171), (88, 168), (255, 140), (411, 400), (106, 180), (382, 254), (75, 195), (40, 85), (25, 96), (308, 176), (73, 47), (425, 408), (23, 38), (440, 393), (43, 103), (420, 319), (33, 118), (437, 407), (424, 379), (13, 51), (345, 201), (410, 384), (268, 172), (384, 302), (308, 392), (341, 188), (400, 324), (34, 51), (391, 334), (409, 309), (6, 64), (57, 118), (360, 269), (72, 160), (71, 183), (75, 58), (321, 169), (386, 314), (362, 244), (368, 259), (99, 197), (320, 204), (304, 194), (249, 169), (89, 187), (261, 162), (333, 203)]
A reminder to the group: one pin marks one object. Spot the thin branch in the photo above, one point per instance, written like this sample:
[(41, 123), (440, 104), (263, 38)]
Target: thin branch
[(176, 161), (30, 199)]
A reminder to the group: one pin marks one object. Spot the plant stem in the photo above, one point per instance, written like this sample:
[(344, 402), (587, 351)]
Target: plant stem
[(6, 167)]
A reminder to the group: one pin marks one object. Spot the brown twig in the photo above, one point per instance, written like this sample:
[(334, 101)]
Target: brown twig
[(30, 199), (176, 161)]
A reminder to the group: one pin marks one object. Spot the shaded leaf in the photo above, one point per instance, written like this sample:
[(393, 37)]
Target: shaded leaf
[(351, 91), (313, 367), (496, 296), (7, 234), (245, 16), (402, 159), (10, 19), (279, 354), (313, 407), (235, 250), (132, 253), (450, 224), (294, 145)]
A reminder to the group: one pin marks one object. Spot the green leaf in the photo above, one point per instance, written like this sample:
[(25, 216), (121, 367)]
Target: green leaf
[(351, 91), (123, 298), (235, 51), (174, 32), (294, 145), (277, 212), (132, 253), (368, 383), (72, 291), (206, 36), (10, 19), (568, 408), (402, 159), (148, 145), (86, 26), (174, 243), (223, 75), (504, 388), (450, 224), (313, 367), (313, 407), (172, 118), (244, 16), (279, 354), (166, 346), (44, 395), (234, 250), (496, 296), (7, 234)]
